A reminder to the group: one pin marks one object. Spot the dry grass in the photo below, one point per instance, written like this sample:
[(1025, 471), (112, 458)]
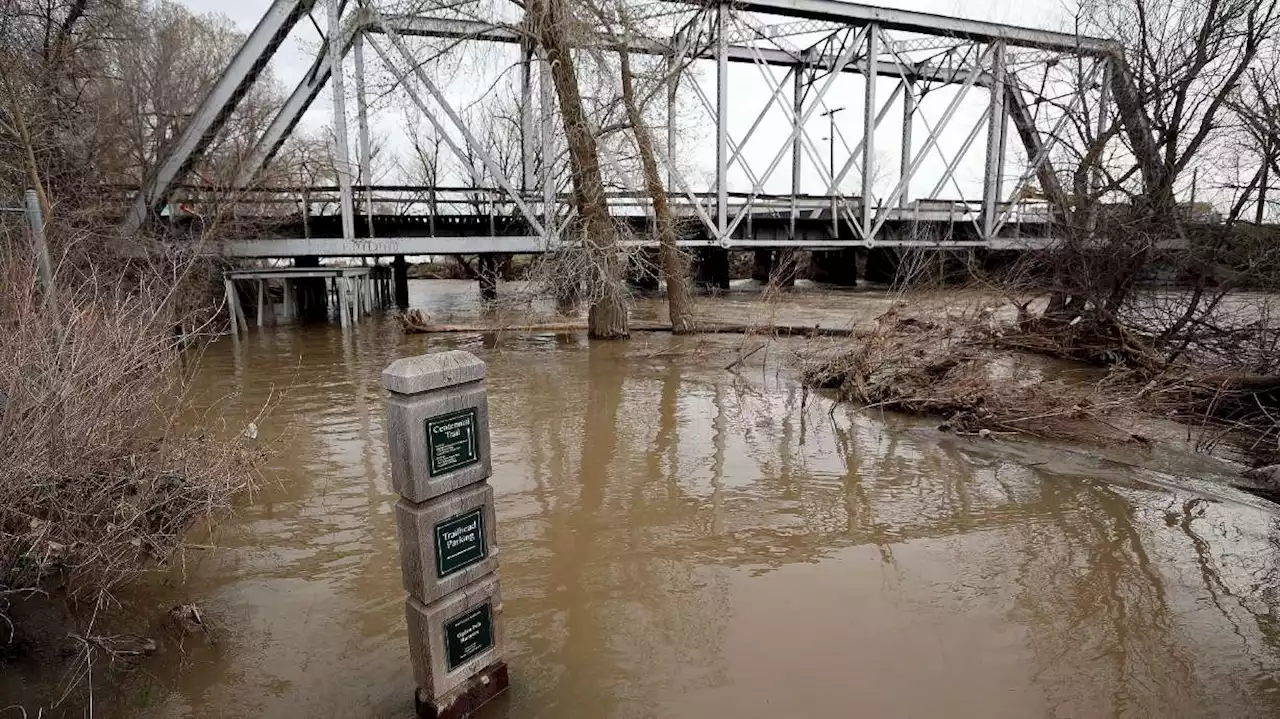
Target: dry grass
[(99, 478)]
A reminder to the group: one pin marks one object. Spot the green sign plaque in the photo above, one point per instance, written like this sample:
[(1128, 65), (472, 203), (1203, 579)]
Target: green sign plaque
[(468, 635), (460, 542), (452, 442)]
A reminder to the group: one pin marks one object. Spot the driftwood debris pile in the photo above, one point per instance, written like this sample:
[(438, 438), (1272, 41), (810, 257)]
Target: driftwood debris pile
[(417, 322), (946, 367)]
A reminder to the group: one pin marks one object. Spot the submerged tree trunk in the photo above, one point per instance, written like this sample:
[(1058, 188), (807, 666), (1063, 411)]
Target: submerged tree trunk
[(607, 317), (674, 267)]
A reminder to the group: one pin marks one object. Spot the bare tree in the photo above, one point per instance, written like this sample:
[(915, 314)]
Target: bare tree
[(553, 25), (1183, 63)]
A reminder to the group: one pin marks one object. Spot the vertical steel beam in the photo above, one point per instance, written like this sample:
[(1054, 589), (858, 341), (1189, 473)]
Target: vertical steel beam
[(1104, 111), (992, 182), (362, 116), (722, 121), (869, 128), (342, 162), (797, 105), (908, 121), (546, 116), (229, 289), (526, 117)]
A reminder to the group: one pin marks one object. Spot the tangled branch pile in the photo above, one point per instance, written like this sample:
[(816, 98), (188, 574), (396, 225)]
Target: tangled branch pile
[(98, 478), (946, 366)]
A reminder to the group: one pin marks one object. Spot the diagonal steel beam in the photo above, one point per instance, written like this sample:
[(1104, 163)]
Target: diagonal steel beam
[(929, 24), (1039, 160), (216, 108), (932, 140), (440, 129), (296, 105), (1016, 105), (798, 126), (398, 43), (421, 26), (800, 139)]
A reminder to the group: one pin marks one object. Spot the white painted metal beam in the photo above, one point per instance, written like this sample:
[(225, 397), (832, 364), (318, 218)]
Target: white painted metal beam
[(529, 244), (930, 24), (296, 105), (469, 29), (217, 106)]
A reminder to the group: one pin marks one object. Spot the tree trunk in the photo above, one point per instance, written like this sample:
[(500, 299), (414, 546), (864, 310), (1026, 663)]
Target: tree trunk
[(607, 317), (674, 266)]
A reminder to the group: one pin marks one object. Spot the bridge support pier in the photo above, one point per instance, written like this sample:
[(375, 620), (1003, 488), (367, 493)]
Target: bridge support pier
[(312, 293), (762, 268), (712, 268), (837, 267), (881, 266), (400, 278), (488, 276)]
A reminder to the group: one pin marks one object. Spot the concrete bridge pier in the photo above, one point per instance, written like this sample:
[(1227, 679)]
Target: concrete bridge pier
[(711, 268), (837, 267), (776, 267), (881, 266), (400, 279), (762, 268)]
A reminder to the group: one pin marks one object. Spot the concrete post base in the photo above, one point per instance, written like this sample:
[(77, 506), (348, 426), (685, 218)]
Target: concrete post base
[(468, 698)]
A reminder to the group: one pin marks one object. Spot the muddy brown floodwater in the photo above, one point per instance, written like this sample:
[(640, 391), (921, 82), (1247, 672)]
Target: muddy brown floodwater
[(678, 540)]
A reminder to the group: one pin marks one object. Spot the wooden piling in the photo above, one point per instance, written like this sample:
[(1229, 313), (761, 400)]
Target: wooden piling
[(262, 301), (229, 287)]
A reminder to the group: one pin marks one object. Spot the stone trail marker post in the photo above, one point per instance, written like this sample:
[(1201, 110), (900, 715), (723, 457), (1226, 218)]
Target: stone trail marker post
[(438, 432)]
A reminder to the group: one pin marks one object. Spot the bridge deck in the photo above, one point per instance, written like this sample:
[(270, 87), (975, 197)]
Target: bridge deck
[(452, 234)]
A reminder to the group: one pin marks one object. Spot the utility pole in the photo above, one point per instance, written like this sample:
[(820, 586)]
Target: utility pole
[(831, 164)]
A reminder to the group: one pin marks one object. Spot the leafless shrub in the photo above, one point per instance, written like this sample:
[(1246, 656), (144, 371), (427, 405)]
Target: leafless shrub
[(102, 470)]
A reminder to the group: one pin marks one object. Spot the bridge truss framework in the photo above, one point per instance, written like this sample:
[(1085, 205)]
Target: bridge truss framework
[(901, 57)]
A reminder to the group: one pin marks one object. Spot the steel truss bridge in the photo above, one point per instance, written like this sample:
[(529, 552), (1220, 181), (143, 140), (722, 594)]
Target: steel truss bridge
[(914, 73)]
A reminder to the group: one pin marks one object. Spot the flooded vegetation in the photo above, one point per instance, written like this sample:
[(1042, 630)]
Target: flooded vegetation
[(682, 540)]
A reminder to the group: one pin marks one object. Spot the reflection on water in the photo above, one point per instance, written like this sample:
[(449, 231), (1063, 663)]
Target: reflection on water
[(682, 541)]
